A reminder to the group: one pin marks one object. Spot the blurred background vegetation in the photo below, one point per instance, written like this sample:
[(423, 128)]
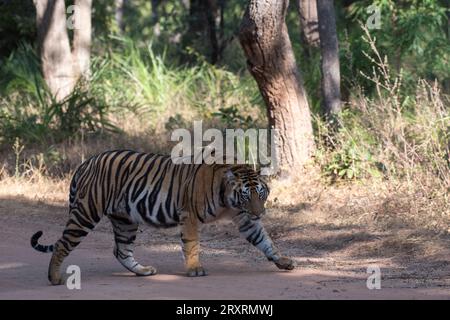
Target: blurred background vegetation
[(150, 74)]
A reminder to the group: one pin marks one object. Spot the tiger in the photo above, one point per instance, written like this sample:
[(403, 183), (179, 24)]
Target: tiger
[(132, 188)]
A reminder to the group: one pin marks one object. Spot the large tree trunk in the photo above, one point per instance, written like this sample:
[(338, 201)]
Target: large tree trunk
[(62, 67), (270, 58), (309, 23), (82, 39), (331, 77), (54, 45)]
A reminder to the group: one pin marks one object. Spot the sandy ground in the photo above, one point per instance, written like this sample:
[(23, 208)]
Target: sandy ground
[(332, 262)]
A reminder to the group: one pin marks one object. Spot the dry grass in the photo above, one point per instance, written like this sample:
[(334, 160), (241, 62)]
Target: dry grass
[(39, 188), (377, 205)]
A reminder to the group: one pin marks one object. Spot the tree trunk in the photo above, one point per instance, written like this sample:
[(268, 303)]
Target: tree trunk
[(62, 67), (186, 4), (211, 18), (54, 45), (196, 17), (120, 8), (331, 77), (203, 19), (309, 23), (264, 37), (446, 84), (82, 39), (155, 18)]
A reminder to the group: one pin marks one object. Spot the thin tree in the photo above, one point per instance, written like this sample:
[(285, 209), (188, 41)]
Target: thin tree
[(119, 12), (264, 37), (82, 38), (61, 66), (203, 19), (309, 22), (331, 77)]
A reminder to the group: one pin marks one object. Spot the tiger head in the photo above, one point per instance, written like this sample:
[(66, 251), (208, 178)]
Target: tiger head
[(245, 190)]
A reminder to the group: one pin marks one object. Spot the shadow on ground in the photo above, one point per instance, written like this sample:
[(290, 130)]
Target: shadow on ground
[(332, 262)]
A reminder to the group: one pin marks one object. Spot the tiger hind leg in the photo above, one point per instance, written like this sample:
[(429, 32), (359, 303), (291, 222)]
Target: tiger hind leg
[(124, 236), (77, 228)]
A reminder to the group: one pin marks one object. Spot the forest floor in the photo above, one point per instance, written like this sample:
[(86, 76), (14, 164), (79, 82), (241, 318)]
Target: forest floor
[(333, 256)]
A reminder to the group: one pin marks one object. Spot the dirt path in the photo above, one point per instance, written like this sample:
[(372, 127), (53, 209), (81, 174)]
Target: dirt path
[(327, 268)]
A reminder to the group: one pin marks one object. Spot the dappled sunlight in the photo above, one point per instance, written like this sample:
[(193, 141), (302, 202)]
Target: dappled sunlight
[(12, 265), (157, 277), (166, 277)]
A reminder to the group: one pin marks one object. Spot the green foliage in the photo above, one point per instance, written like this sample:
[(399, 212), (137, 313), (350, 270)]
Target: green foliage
[(50, 121), (136, 78), (21, 72), (350, 161), (29, 112), (232, 117), (130, 78), (345, 164), (151, 81), (346, 154), (393, 132), (413, 36), (17, 25)]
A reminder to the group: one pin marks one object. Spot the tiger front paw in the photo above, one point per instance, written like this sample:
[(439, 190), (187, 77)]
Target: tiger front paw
[(285, 263), (196, 272)]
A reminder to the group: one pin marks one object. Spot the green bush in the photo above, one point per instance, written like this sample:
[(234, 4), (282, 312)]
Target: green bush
[(17, 21), (29, 112)]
